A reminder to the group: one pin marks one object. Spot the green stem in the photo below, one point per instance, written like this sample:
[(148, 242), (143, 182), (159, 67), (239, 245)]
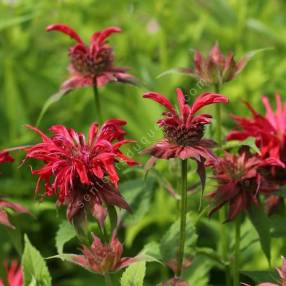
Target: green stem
[(97, 103), (222, 212), (107, 279), (236, 264), (218, 118), (183, 212)]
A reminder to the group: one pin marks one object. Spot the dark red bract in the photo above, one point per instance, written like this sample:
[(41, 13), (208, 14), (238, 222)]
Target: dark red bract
[(91, 65), (81, 172), (103, 258), (184, 131), (239, 182), (216, 68)]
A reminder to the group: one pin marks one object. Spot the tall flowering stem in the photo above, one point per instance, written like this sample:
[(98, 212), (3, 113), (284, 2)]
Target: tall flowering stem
[(236, 252), (183, 213), (183, 139), (222, 216), (218, 118), (97, 102)]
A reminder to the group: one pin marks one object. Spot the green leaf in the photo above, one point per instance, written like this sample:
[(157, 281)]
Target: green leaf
[(34, 266), (262, 276), (169, 242), (198, 273), (134, 275), (65, 233), (53, 99), (236, 144), (278, 226), (262, 225)]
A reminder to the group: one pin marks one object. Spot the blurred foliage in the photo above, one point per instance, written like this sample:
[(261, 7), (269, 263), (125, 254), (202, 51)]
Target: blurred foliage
[(158, 35)]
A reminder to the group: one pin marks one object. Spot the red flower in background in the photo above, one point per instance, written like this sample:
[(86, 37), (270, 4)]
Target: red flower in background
[(184, 131), (91, 65), (239, 182), (80, 172), (216, 68), (14, 275), (5, 157), (269, 132), (103, 258)]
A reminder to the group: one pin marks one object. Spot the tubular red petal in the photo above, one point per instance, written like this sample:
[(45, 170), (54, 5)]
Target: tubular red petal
[(160, 99), (66, 30), (106, 33), (181, 100), (206, 99)]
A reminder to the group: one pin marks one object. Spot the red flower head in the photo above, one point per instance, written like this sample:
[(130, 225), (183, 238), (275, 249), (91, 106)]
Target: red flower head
[(80, 172), (183, 132), (216, 68), (103, 258), (14, 275), (239, 182), (269, 132), (93, 64), (4, 219)]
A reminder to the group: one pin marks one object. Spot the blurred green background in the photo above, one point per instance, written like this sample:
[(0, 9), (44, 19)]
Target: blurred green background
[(158, 35)]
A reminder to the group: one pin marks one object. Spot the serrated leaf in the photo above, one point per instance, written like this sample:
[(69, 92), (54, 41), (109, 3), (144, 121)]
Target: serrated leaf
[(169, 242), (262, 225), (134, 275), (34, 266), (65, 233)]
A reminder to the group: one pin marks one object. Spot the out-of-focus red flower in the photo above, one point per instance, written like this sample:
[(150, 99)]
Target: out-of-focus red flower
[(216, 68), (91, 65), (184, 131), (82, 173), (239, 182), (5, 157), (269, 132), (282, 274), (14, 275), (103, 258)]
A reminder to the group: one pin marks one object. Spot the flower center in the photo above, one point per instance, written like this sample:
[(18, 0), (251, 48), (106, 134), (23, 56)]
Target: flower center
[(92, 64), (181, 135)]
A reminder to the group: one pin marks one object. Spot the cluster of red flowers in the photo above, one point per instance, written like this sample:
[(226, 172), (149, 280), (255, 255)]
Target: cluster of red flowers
[(82, 171), (269, 132)]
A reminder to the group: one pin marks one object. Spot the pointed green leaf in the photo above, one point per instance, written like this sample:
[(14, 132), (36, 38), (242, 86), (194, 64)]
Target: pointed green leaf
[(134, 275), (262, 225), (34, 266), (65, 233)]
